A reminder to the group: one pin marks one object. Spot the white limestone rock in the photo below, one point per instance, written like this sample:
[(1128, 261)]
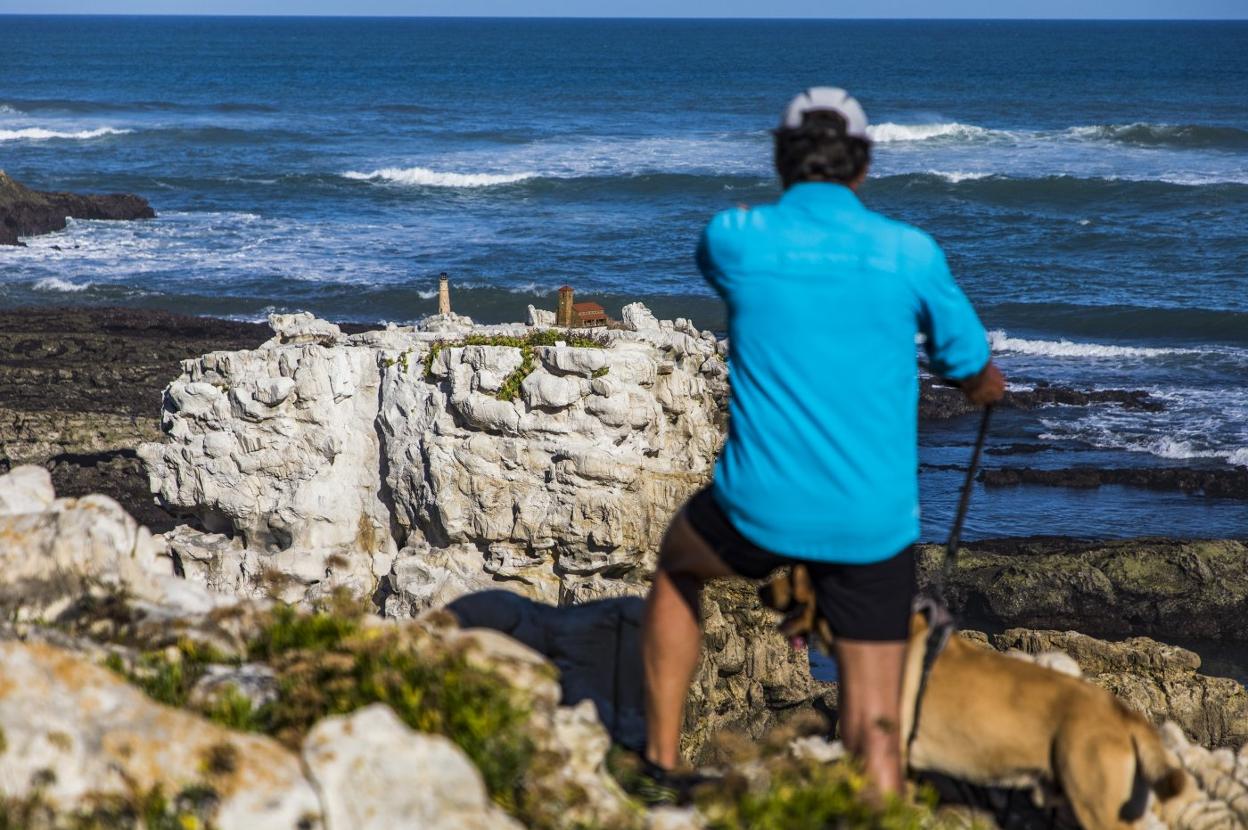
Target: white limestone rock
[(276, 447), (331, 464), (302, 327), (78, 732), (57, 551), (374, 773), (539, 317), (26, 489)]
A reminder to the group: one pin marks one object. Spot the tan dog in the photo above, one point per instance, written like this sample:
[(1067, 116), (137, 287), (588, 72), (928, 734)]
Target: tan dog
[(997, 721)]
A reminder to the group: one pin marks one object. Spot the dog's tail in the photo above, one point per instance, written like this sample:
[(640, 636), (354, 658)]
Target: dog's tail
[(1164, 778)]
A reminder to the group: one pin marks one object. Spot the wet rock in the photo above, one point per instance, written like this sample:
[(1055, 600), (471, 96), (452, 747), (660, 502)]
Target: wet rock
[(374, 773), (1151, 587), (26, 212), (1230, 483), (81, 388), (940, 402)]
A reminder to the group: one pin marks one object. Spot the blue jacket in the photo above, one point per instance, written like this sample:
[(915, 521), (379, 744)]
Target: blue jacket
[(825, 299)]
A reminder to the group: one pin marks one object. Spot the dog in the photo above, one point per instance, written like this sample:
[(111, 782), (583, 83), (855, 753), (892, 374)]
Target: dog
[(981, 717)]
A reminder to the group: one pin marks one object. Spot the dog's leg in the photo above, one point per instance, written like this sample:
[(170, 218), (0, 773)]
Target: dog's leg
[(1097, 772)]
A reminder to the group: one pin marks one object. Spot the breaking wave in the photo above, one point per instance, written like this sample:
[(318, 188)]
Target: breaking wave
[(40, 134), (424, 177), (56, 284), (889, 133), (1002, 342)]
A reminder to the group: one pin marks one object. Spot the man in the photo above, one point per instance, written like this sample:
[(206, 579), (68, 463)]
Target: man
[(824, 301)]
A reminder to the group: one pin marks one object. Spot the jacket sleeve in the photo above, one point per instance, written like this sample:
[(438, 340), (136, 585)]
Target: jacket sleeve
[(956, 344)]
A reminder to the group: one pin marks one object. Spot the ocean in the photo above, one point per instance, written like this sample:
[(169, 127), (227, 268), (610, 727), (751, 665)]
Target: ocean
[(1089, 182)]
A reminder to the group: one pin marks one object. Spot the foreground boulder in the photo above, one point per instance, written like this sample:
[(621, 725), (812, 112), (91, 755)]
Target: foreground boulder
[(376, 774), (26, 212), (76, 734)]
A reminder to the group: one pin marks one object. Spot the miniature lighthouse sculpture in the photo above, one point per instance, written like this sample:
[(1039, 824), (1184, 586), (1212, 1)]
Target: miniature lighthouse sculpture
[(444, 294), (564, 315)]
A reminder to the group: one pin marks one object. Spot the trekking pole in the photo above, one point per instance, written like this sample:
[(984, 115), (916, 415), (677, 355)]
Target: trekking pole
[(955, 534)]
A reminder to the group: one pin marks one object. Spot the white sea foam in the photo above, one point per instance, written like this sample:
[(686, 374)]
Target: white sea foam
[(956, 176), (57, 284), (424, 177), (40, 134), (889, 133), (5, 109), (1002, 342)]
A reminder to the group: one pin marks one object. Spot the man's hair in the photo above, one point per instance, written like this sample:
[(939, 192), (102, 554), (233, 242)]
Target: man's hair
[(820, 151)]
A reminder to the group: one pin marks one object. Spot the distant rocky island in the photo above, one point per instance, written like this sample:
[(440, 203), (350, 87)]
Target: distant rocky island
[(391, 579), (26, 212)]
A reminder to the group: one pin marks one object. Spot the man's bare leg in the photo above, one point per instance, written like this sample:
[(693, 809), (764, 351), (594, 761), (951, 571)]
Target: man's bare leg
[(671, 635), (870, 707)]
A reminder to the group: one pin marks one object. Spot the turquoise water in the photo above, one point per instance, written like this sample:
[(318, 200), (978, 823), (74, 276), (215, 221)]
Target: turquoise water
[(1089, 181)]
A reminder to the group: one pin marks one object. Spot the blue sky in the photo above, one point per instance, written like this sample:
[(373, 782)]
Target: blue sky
[(1180, 9)]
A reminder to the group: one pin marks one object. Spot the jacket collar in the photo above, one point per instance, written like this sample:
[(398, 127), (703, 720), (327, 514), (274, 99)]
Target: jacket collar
[(821, 195)]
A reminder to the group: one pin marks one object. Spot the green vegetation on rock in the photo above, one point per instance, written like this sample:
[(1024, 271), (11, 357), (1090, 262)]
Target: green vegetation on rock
[(510, 388)]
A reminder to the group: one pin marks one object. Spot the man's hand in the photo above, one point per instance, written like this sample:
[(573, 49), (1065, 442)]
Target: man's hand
[(984, 388)]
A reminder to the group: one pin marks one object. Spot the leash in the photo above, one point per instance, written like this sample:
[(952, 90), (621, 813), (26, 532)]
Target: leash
[(964, 502), (932, 605)]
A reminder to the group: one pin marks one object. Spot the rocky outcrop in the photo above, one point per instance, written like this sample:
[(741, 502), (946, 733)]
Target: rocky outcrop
[(1231, 483), (26, 212), (55, 553), (749, 679), (1160, 680), (440, 460), (1152, 587)]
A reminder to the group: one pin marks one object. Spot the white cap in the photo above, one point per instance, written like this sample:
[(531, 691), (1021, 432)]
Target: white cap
[(823, 98)]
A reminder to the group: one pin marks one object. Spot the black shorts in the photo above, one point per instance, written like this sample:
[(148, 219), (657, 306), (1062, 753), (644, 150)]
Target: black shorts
[(860, 602)]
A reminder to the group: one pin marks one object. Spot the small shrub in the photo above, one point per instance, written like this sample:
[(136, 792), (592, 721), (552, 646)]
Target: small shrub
[(811, 796), (328, 664)]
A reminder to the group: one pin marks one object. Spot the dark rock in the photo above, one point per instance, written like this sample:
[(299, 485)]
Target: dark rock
[(26, 212), (1161, 588), (81, 388), (938, 402), (1229, 483)]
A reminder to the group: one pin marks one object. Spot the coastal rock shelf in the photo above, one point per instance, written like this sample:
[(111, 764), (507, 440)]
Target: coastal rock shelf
[(26, 212), (1158, 587), (439, 458)]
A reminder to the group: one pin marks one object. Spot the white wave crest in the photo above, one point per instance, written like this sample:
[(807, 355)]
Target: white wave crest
[(955, 176), (5, 109), (1002, 342), (424, 177), (889, 133), (40, 134), (61, 286)]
